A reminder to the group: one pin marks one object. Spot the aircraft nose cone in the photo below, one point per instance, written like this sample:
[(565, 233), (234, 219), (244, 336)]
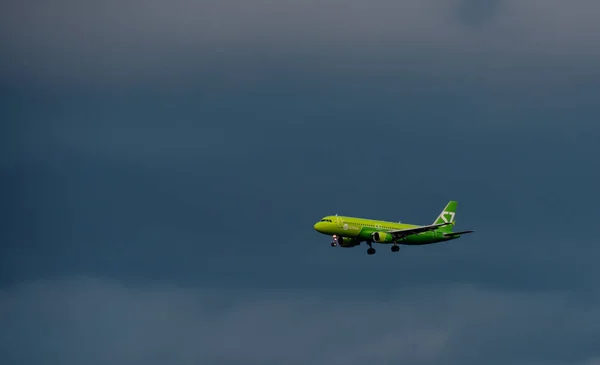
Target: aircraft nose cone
[(317, 226)]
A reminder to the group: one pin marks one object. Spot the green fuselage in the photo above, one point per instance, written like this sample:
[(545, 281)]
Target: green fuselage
[(361, 230)]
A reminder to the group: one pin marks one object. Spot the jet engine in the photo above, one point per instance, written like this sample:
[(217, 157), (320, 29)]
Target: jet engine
[(348, 242), (382, 237)]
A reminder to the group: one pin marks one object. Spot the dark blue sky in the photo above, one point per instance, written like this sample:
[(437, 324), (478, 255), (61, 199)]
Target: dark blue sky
[(163, 166)]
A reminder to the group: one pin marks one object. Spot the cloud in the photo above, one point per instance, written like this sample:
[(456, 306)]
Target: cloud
[(133, 39), (95, 321)]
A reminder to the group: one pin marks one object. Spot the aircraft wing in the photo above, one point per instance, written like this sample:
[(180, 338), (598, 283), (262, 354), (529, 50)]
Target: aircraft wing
[(397, 233)]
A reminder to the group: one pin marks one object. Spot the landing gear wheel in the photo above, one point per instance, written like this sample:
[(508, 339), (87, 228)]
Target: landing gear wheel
[(370, 251), (395, 248), (335, 241)]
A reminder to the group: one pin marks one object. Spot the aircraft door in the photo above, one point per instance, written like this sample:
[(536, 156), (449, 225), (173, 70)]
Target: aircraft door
[(338, 221)]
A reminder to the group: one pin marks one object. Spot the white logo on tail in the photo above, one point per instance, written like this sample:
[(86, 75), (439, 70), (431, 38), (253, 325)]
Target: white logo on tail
[(445, 219)]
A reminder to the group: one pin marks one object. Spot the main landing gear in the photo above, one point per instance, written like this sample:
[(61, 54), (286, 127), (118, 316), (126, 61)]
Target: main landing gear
[(370, 250)]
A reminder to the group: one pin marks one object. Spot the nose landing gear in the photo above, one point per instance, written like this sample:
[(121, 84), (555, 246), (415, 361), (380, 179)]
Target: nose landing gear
[(335, 241)]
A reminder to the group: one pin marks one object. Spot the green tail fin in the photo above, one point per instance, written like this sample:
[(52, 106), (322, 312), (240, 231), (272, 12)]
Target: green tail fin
[(447, 216)]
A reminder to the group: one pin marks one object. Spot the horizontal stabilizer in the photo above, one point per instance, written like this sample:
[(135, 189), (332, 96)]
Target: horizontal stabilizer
[(452, 234), (414, 230)]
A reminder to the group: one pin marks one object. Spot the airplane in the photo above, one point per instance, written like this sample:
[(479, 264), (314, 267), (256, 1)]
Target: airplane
[(352, 231)]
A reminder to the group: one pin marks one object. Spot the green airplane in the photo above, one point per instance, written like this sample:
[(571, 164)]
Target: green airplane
[(351, 231)]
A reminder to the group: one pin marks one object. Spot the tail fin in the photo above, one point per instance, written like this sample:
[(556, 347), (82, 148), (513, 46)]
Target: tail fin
[(447, 216)]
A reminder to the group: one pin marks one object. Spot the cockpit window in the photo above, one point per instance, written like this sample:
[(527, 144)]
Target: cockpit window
[(325, 220)]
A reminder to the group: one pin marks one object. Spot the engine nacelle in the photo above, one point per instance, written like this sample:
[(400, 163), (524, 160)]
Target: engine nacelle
[(382, 237), (348, 242)]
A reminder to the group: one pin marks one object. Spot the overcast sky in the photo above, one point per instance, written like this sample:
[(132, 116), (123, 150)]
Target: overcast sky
[(163, 164)]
